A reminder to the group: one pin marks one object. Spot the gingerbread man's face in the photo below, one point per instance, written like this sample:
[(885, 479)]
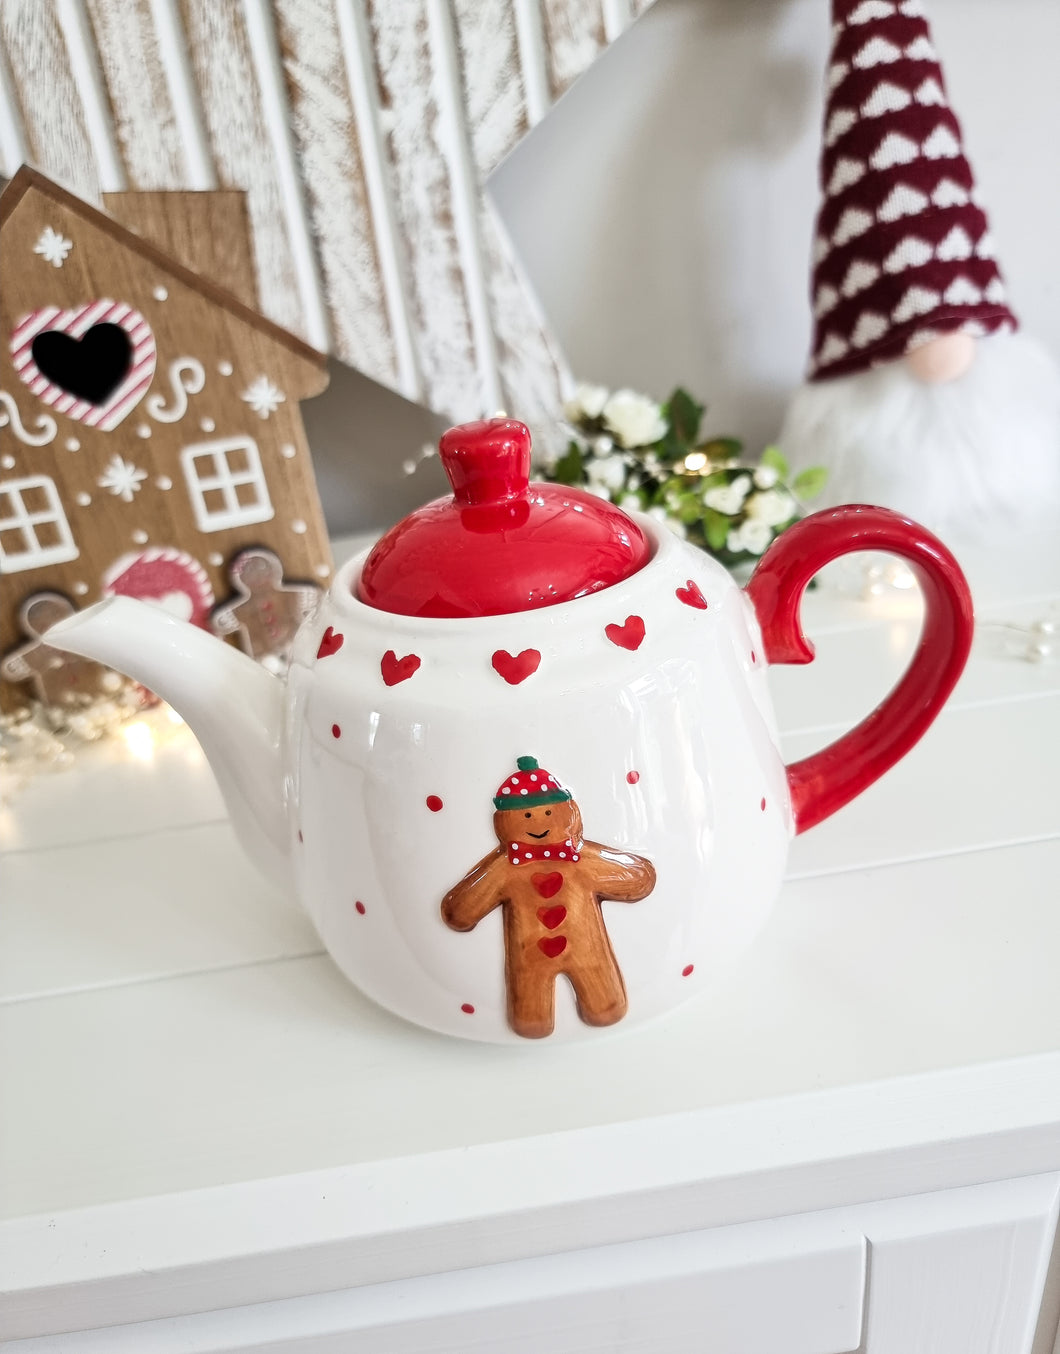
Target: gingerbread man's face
[(543, 823)]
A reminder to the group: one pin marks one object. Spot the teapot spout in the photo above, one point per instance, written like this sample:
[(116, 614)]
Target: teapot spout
[(233, 706)]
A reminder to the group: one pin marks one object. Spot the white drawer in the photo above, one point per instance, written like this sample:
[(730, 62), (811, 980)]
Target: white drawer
[(794, 1285), (955, 1272)]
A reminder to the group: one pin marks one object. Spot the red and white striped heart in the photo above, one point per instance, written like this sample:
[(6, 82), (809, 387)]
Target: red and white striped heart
[(94, 363)]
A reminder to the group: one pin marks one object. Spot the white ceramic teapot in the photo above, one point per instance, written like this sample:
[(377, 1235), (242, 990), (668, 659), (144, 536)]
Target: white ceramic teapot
[(528, 737)]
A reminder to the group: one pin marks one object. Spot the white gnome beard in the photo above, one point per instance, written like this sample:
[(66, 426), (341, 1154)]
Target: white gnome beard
[(976, 453)]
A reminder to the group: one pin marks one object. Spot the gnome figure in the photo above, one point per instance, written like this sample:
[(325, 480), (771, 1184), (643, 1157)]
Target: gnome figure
[(921, 396)]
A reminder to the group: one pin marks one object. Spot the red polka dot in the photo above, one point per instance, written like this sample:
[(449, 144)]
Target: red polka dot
[(687, 970), (762, 805), (467, 1008), (336, 732), (434, 803), (632, 777), (754, 656), (359, 906)]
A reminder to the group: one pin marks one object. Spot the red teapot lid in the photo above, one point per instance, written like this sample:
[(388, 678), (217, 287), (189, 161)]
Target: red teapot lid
[(499, 544)]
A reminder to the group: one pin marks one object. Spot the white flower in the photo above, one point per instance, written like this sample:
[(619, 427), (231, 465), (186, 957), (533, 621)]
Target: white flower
[(263, 397), (608, 472), (122, 478), (603, 444), (634, 419), (53, 247), (728, 498), (751, 536), (765, 477), (629, 503), (598, 490), (771, 507), (587, 402)]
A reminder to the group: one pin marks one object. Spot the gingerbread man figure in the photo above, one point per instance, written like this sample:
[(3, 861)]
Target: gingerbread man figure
[(269, 610), (550, 883), (58, 678)]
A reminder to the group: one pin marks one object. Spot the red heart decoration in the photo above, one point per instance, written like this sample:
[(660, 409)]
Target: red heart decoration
[(516, 668), (330, 643), (691, 596), (548, 885), (628, 636), (396, 669), (553, 946), (551, 917)]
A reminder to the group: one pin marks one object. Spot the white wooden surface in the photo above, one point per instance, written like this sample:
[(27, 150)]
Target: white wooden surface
[(198, 1112)]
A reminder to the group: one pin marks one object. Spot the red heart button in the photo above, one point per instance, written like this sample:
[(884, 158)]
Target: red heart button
[(548, 885), (553, 946), (691, 596), (628, 636), (396, 669), (516, 668), (551, 917), (330, 643)]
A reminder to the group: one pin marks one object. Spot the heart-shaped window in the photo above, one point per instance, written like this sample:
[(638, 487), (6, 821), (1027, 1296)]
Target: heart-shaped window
[(91, 367)]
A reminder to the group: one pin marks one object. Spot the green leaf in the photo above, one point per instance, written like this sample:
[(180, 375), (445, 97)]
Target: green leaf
[(570, 469), (717, 479), (684, 416), (722, 449), (773, 457), (809, 483), (716, 527)]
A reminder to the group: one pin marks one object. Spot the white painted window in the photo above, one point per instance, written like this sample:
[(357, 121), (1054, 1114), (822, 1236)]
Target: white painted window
[(226, 483), (33, 527)]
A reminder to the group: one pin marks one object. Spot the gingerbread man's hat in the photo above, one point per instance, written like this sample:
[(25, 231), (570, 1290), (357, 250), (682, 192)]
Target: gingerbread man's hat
[(529, 787)]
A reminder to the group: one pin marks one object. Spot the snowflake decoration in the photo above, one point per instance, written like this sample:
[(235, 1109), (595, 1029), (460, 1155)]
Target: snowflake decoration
[(53, 247), (122, 478), (263, 397)]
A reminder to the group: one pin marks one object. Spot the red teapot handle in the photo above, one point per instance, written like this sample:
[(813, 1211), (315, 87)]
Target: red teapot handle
[(824, 782)]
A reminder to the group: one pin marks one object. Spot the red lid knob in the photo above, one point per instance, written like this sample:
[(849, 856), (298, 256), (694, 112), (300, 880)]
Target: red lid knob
[(487, 462), (500, 544)]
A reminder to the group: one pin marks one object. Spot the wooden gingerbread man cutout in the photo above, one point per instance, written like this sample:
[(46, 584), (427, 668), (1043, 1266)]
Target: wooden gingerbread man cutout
[(58, 678), (550, 883), (269, 611)]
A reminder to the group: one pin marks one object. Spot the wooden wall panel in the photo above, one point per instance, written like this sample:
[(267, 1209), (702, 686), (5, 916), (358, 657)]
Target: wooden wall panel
[(494, 97), (361, 131), (46, 95), (532, 369), (493, 92), (140, 104), (440, 308), (575, 34), (242, 152), (329, 150)]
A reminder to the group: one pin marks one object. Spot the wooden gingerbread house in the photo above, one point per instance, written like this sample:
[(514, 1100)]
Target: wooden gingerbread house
[(151, 438)]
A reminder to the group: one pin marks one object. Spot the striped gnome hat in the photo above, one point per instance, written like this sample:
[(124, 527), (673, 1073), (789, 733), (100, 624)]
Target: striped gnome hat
[(903, 252)]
